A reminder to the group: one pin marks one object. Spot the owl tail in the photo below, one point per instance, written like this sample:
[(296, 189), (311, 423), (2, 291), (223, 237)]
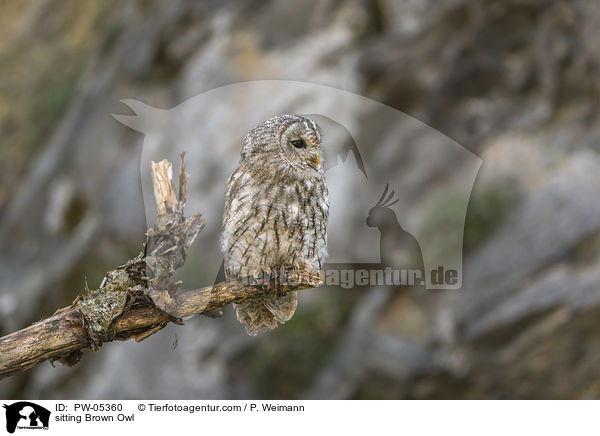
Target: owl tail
[(266, 313)]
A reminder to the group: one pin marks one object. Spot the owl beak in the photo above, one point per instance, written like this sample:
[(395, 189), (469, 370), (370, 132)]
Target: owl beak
[(314, 162)]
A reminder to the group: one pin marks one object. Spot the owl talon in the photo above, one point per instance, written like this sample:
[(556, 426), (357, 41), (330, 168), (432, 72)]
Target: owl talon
[(295, 276)]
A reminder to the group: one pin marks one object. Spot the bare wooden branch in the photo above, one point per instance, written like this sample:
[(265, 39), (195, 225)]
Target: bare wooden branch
[(138, 299), (164, 192)]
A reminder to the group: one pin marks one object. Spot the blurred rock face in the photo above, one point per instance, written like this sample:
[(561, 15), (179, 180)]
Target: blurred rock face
[(512, 81)]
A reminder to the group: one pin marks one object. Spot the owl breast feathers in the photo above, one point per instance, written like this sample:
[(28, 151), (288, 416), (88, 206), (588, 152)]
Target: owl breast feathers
[(276, 212)]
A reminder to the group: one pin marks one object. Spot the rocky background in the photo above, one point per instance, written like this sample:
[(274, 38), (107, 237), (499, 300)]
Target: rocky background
[(514, 81)]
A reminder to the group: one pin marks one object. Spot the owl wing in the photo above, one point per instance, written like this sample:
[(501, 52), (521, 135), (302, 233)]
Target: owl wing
[(236, 199), (230, 188)]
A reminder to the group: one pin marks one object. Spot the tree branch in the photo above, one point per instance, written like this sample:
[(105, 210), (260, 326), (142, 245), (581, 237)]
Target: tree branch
[(137, 299)]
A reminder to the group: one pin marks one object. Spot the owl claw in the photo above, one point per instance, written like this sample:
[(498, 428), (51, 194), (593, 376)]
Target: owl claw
[(303, 272), (294, 273), (316, 278)]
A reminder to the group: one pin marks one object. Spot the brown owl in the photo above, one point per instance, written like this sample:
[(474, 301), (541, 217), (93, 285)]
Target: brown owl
[(276, 211)]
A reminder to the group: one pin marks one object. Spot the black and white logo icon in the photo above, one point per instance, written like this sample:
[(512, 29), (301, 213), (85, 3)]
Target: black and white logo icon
[(26, 415)]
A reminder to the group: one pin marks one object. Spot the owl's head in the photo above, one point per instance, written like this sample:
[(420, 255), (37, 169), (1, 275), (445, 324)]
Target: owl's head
[(290, 143)]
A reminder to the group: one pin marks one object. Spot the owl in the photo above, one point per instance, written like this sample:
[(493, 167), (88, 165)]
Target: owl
[(276, 212)]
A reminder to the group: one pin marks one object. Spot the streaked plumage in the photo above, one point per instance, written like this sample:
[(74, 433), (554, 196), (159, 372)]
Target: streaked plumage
[(276, 212)]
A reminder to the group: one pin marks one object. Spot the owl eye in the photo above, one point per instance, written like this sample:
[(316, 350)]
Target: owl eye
[(299, 143)]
